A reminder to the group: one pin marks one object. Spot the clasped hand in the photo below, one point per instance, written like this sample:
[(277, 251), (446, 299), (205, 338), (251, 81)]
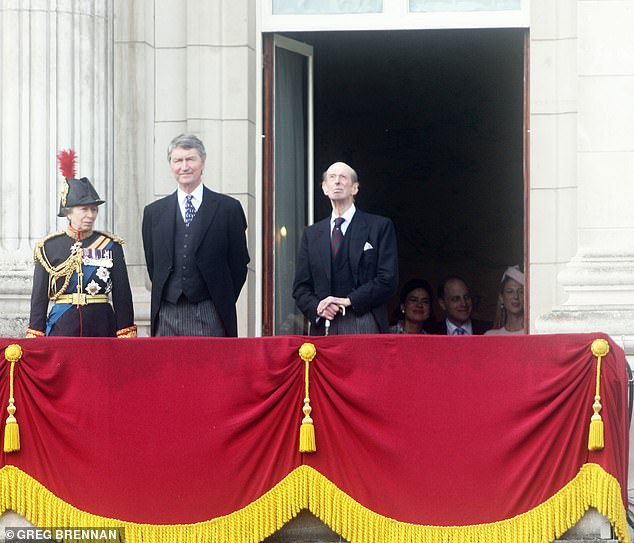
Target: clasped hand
[(330, 306)]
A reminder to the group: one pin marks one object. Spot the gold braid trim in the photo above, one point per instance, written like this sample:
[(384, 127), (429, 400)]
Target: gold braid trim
[(64, 270), (306, 488), (113, 237), (39, 246), (130, 331)]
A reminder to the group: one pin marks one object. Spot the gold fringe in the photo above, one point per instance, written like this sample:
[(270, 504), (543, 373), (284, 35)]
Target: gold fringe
[(306, 488), (12, 354), (307, 442), (600, 347)]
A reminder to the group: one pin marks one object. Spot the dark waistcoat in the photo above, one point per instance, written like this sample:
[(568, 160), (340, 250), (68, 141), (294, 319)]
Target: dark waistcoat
[(185, 277)]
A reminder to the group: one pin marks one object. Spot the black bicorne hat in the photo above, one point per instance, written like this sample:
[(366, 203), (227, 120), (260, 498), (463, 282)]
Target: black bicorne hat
[(78, 192), (75, 192)]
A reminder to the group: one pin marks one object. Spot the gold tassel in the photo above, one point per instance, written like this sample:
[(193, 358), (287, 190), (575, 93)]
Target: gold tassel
[(12, 353), (307, 430), (595, 438), (600, 347), (307, 433)]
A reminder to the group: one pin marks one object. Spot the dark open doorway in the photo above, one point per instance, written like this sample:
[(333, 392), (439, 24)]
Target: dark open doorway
[(433, 122)]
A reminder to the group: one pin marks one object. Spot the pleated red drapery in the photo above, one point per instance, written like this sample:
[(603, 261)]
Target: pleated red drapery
[(435, 431)]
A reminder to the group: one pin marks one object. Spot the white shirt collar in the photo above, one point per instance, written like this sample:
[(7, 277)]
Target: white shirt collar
[(197, 197), (349, 213), (451, 327)]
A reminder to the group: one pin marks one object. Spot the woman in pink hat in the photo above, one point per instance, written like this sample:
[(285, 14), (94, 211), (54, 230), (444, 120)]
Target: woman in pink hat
[(509, 318)]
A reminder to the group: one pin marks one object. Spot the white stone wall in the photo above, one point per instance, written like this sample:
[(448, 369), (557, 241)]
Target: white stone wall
[(134, 96), (56, 77), (553, 149), (184, 67), (599, 278)]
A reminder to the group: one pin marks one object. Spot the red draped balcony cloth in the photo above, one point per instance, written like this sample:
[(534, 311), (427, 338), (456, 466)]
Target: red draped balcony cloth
[(421, 439)]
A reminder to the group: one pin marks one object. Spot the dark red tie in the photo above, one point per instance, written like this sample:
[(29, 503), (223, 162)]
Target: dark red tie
[(337, 237)]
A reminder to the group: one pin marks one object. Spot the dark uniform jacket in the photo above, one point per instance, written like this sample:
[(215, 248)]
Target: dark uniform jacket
[(104, 272)]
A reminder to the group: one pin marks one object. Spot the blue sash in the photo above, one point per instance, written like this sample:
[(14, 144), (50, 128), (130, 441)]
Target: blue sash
[(59, 309)]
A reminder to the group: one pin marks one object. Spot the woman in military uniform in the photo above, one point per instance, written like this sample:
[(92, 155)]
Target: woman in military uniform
[(79, 270)]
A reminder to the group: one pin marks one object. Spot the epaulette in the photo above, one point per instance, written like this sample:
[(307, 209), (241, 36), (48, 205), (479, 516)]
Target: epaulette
[(113, 237), (40, 244)]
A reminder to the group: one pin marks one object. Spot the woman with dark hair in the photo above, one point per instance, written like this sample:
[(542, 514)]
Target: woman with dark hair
[(509, 317), (81, 271), (415, 307)]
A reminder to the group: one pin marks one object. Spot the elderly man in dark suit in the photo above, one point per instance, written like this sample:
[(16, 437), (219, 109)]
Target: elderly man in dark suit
[(347, 266), (195, 251)]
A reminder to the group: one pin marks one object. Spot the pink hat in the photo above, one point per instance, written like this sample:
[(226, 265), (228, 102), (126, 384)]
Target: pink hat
[(513, 272)]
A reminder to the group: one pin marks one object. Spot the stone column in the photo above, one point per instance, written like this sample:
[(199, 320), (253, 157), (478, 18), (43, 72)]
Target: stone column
[(56, 77), (599, 280), (134, 109)]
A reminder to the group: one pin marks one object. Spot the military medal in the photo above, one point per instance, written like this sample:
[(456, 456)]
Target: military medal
[(101, 258)]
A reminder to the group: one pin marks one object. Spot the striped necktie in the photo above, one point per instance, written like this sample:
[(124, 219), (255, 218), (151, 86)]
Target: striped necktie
[(459, 331), (337, 237)]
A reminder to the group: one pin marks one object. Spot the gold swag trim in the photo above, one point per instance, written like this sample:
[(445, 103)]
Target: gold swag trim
[(306, 488)]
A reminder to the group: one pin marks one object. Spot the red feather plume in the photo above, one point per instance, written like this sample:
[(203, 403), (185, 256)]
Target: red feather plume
[(66, 159)]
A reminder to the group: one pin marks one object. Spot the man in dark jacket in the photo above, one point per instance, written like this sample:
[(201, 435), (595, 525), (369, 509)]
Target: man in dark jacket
[(347, 267), (195, 251), (455, 299)]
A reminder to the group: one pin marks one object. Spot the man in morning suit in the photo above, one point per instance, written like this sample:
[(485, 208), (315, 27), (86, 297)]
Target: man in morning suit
[(455, 300), (195, 251), (347, 266)]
